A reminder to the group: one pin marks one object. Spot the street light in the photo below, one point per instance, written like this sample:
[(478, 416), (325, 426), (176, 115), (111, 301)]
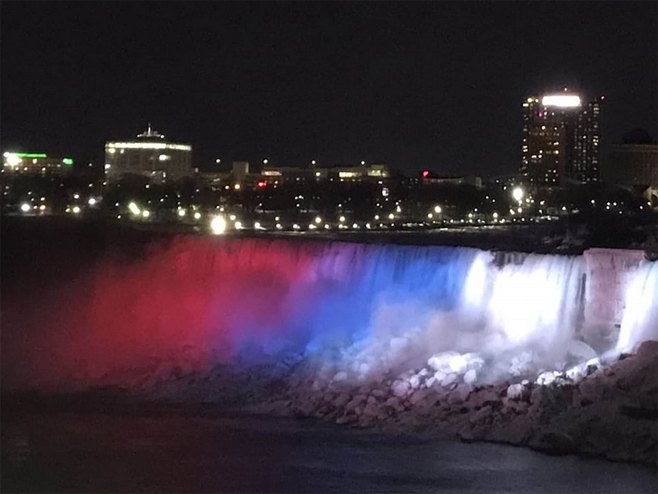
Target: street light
[(517, 194)]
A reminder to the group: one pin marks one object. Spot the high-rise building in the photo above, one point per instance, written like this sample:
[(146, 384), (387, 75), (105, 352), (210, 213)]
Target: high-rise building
[(149, 155), (560, 139)]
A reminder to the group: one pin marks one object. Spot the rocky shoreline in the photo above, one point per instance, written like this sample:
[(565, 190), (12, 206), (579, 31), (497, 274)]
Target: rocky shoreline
[(604, 409), (608, 411)]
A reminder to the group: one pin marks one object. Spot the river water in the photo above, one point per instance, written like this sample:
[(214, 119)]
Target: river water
[(164, 448)]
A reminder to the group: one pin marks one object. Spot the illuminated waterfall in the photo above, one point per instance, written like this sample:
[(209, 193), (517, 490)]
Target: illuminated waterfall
[(370, 307)]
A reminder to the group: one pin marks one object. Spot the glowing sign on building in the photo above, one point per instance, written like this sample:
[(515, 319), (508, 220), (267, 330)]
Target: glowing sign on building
[(561, 101)]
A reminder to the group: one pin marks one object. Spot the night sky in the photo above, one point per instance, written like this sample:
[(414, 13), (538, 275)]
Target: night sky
[(417, 85)]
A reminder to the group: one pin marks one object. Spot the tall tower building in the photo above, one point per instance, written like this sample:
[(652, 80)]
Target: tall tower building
[(560, 139)]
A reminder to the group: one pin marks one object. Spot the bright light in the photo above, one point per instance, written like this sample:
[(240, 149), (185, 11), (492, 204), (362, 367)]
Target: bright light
[(134, 209), (91, 201), (311, 226), (258, 226), (279, 226), (25, 207), (265, 161), (164, 157), (182, 212), (197, 216), (76, 209), (391, 216), (562, 101), (295, 226), (12, 159), (437, 209), (236, 186), (146, 213), (517, 194), (146, 145), (238, 225), (341, 219), (218, 225), (318, 219), (76, 196), (232, 217), (430, 215), (495, 215), (42, 207)]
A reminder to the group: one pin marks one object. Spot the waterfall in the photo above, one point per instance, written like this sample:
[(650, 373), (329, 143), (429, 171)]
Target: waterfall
[(368, 308)]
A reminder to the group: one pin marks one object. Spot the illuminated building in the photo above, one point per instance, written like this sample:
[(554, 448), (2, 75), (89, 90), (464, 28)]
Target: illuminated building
[(149, 155), (35, 164), (560, 140)]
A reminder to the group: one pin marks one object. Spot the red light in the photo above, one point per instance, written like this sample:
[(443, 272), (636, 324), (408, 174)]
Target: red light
[(261, 184), (426, 173)]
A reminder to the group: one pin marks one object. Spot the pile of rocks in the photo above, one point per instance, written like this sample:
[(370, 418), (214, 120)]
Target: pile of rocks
[(604, 410)]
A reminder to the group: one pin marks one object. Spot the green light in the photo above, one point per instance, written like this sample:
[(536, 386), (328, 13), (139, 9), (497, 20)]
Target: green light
[(31, 155), (68, 161)]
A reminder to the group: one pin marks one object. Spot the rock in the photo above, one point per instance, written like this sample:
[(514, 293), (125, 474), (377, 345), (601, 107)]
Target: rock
[(547, 378), (577, 372), (394, 402), (470, 376), (379, 393), (347, 419), (647, 349), (515, 391), (448, 380), (341, 400), (355, 402), (400, 388), (418, 396), (482, 413), (414, 382), (483, 397), (553, 441)]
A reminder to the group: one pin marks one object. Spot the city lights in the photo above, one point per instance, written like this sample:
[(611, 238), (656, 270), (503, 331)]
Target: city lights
[(133, 208), (517, 194), (25, 207), (218, 225)]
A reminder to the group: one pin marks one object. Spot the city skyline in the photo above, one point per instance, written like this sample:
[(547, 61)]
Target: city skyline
[(414, 87)]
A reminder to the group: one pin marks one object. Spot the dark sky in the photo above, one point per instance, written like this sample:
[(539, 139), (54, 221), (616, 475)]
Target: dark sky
[(416, 85)]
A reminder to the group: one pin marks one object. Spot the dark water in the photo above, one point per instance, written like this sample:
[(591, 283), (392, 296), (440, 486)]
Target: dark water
[(160, 448)]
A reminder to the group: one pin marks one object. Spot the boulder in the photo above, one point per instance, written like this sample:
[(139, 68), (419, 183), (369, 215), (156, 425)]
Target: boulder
[(470, 376), (400, 388)]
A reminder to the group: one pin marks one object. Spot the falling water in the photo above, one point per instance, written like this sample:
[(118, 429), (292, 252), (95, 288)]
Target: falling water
[(367, 308)]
